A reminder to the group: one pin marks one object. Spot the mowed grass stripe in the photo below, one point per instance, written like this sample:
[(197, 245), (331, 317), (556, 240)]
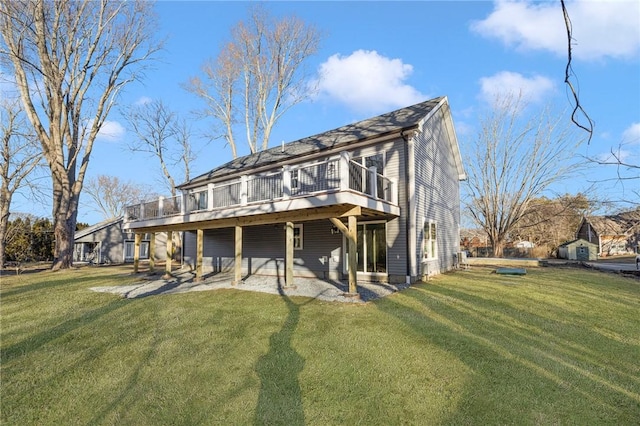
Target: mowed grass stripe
[(555, 346)]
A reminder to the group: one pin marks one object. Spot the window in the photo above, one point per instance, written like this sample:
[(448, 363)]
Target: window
[(376, 160), (198, 200), (128, 249), (144, 250), (295, 181), (430, 240), (297, 237)]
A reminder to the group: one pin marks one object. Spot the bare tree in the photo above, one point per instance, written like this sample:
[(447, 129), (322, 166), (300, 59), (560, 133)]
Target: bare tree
[(109, 195), (21, 155), (627, 169), (550, 222), (70, 60), (516, 159), (258, 75), (162, 134)]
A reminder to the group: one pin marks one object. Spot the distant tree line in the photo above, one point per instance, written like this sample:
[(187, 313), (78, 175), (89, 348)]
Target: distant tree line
[(29, 239)]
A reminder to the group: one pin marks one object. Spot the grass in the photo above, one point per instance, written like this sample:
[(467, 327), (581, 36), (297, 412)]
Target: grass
[(557, 346)]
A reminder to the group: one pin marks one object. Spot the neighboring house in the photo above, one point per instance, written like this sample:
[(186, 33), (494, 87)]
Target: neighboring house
[(578, 250), (106, 242), (376, 200), (615, 234), (475, 242), (524, 245)]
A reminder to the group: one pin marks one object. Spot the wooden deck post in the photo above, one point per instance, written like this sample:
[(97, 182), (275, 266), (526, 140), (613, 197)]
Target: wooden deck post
[(288, 258), (152, 252), (199, 251), (352, 241), (351, 234), (238, 256), (167, 267), (136, 253)]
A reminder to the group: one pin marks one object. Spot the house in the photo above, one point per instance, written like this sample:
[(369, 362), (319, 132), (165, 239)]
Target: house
[(377, 200), (475, 242), (106, 242), (578, 250), (614, 234)]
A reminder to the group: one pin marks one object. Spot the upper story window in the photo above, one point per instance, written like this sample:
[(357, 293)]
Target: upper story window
[(198, 200), (376, 160), (430, 240)]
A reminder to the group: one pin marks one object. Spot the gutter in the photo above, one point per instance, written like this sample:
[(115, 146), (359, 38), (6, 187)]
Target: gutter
[(412, 214)]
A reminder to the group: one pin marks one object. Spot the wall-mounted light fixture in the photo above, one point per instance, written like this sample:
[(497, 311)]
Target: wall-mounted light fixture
[(335, 230)]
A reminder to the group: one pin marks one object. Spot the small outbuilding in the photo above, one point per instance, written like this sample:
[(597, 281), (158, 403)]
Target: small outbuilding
[(106, 242), (578, 250)]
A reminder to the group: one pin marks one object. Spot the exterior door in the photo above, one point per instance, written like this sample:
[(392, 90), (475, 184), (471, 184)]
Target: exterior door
[(582, 253), (129, 247), (372, 248)]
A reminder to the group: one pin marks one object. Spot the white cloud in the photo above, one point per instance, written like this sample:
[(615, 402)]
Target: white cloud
[(599, 28), (632, 134), (111, 131), (506, 83), (143, 100), (367, 81)]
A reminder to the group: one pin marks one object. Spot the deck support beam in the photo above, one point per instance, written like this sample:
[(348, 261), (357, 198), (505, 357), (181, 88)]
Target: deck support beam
[(288, 258), (199, 252), (167, 266), (237, 270), (136, 252)]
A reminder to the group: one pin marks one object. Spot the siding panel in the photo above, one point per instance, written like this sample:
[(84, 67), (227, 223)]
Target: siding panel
[(437, 194)]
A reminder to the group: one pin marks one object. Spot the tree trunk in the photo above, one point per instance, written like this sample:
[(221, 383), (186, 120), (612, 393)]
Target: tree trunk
[(497, 245), (498, 249), (65, 213), (4, 222)]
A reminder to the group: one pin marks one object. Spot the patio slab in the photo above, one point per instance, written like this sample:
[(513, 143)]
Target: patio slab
[(183, 281)]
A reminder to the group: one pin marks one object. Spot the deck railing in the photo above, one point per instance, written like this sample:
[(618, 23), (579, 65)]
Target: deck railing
[(226, 194), (334, 174), (172, 205), (264, 187)]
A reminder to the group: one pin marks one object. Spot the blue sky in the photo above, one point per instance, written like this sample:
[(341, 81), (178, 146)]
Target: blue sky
[(380, 56)]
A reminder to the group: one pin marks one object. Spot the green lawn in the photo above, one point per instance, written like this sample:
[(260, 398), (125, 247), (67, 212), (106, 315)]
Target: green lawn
[(557, 346)]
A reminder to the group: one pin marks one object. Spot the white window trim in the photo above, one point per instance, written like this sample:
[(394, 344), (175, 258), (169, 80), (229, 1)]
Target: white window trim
[(427, 239), (300, 227)]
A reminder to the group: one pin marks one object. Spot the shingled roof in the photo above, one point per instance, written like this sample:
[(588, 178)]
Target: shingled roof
[(620, 224), (94, 228), (395, 121)]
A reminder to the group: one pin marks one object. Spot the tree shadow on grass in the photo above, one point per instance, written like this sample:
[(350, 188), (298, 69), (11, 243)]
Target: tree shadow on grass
[(33, 343), (280, 399), (130, 386), (523, 366), (48, 284)]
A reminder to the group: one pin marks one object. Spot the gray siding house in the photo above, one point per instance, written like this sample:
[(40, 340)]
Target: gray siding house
[(377, 200), (106, 242), (615, 234)]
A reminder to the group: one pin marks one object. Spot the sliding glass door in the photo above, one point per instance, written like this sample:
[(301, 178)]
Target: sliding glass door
[(372, 248)]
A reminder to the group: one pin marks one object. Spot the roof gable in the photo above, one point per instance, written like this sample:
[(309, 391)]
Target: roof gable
[(396, 121), (98, 226)]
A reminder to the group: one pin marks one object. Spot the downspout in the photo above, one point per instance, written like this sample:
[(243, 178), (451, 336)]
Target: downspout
[(411, 203)]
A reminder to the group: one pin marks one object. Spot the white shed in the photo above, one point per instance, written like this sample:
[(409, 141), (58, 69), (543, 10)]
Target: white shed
[(578, 250)]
